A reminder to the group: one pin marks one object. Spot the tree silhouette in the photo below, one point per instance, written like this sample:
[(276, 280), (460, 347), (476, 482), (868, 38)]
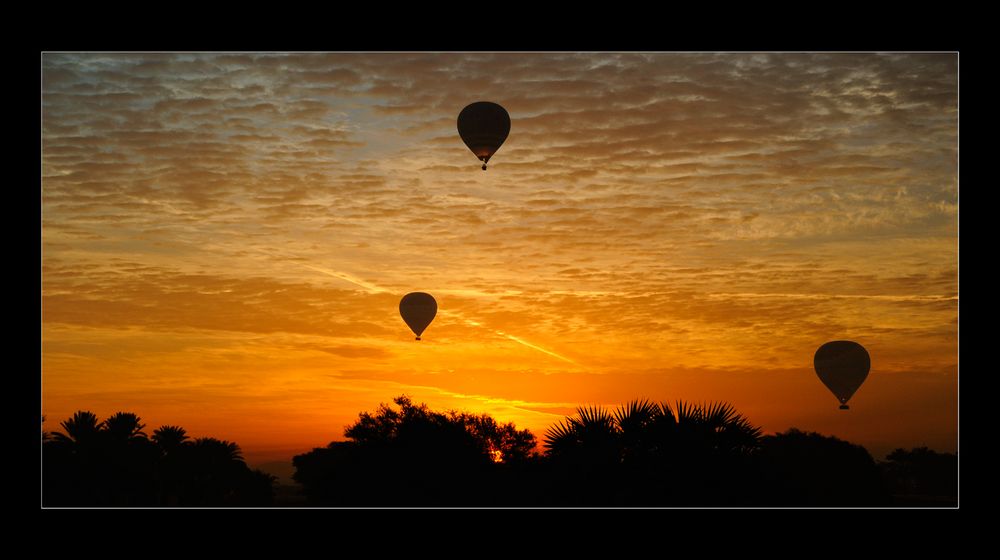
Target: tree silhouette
[(921, 476), (124, 427), (79, 430), (169, 438), (810, 469), (127, 460), (503, 443), (217, 475), (174, 470), (114, 463), (71, 462), (415, 456), (638, 454), (647, 453), (218, 453)]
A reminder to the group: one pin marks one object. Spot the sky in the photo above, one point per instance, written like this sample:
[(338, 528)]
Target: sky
[(226, 237)]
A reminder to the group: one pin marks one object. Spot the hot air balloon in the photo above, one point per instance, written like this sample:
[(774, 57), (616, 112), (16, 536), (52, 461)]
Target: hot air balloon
[(842, 365), (483, 127), (418, 310)]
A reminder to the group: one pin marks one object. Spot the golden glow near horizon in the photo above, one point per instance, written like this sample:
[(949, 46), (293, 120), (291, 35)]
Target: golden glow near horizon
[(226, 238)]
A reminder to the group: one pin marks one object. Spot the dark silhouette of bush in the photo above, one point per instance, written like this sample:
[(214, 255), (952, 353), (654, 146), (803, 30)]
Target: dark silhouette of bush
[(921, 476), (644, 453), (808, 469), (114, 463), (414, 456)]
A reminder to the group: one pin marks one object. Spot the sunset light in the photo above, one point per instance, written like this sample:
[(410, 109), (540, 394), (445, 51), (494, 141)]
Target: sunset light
[(226, 239)]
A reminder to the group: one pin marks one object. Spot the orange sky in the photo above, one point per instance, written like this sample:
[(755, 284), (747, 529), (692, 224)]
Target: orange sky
[(226, 238)]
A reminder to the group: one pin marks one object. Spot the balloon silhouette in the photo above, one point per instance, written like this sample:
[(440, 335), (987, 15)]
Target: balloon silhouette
[(483, 127), (418, 310), (842, 365)]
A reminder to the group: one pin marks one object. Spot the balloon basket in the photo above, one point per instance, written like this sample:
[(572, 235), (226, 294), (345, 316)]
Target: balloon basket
[(842, 407)]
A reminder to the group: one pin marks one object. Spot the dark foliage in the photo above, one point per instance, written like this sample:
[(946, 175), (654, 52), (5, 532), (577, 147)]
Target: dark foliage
[(640, 454), (114, 463), (809, 469), (651, 454), (921, 476), (414, 456)]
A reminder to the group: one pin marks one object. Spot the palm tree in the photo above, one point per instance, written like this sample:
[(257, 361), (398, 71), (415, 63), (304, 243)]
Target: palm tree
[(591, 438), (124, 427), (129, 460), (114, 463), (72, 462), (169, 438), (649, 450), (640, 422), (216, 468), (81, 429), (733, 432), (217, 452), (636, 415)]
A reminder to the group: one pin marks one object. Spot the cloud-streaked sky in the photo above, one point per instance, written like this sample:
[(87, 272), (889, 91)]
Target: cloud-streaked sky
[(226, 238)]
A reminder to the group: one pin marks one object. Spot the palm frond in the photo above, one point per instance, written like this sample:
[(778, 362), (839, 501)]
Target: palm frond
[(667, 413), (594, 417), (688, 413), (170, 437), (641, 430), (216, 449), (61, 437), (635, 414), (716, 415), (82, 425), (124, 425), (562, 437)]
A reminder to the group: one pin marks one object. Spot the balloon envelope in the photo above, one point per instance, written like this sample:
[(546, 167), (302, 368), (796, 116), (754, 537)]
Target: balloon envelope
[(483, 127), (418, 310), (842, 365)]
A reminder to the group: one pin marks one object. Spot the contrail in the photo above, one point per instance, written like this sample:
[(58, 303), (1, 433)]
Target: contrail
[(348, 278), (372, 288), (540, 349), (468, 321)]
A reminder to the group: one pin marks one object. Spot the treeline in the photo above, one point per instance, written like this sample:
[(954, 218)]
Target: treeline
[(641, 454), (115, 463)]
